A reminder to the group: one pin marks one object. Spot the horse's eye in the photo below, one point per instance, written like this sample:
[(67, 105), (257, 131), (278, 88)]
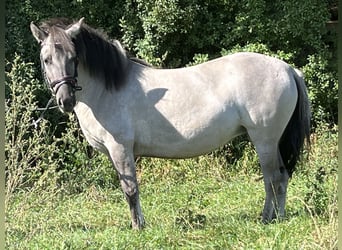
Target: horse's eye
[(48, 60)]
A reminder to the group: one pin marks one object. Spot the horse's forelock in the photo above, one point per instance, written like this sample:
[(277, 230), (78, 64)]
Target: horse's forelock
[(55, 30), (61, 40)]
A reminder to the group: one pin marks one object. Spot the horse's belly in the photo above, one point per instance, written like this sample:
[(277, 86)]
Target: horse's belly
[(180, 142), (185, 148)]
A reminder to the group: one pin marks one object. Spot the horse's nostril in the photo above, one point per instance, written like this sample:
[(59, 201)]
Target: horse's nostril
[(66, 104)]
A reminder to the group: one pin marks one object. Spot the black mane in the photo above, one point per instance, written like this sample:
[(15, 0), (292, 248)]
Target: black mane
[(103, 58)]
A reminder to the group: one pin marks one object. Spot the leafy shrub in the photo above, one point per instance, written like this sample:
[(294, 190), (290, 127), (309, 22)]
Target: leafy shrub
[(198, 58), (262, 49), (101, 14), (28, 150), (320, 173), (322, 83), (169, 33)]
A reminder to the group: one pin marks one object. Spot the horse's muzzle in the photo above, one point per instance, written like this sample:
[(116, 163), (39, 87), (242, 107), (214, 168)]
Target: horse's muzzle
[(64, 90), (65, 97)]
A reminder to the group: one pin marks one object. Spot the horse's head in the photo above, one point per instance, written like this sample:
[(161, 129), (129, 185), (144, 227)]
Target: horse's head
[(59, 61)]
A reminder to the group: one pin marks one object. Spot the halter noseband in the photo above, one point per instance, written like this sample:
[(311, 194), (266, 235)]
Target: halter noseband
[(71, 80)]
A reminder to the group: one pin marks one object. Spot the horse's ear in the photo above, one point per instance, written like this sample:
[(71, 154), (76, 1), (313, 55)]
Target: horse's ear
[(38, 34), (75, 29)]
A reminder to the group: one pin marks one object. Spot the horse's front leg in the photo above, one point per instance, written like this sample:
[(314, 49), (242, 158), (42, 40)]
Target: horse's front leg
[(125, 166), (129, 186)]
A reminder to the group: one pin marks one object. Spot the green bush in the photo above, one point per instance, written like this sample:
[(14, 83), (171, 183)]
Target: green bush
[(29, 151), (101, 14), (198, 58), (169, 33), (322, 83), (260, 48), (319, 173)]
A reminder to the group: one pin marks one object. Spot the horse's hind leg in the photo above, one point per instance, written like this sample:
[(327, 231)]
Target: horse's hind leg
[(275, 177)]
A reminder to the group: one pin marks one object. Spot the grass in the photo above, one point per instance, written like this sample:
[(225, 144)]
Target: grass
[(186, 206)]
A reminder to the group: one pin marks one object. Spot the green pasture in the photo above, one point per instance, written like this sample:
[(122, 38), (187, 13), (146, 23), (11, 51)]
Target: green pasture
[(198, 203)]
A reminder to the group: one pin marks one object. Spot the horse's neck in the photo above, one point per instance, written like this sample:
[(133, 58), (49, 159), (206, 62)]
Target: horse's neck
[(92, 93), (92, 90), (95, 95)]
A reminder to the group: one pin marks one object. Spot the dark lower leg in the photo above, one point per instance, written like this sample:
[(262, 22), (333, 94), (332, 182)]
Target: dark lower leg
[(134, 206)]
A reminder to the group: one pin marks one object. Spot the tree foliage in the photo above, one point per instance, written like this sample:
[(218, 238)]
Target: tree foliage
[(171, 32)]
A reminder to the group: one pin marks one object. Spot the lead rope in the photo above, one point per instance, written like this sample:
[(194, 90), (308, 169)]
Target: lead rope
[(47, 107)]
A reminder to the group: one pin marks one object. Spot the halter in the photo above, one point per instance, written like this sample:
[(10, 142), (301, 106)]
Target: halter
[(70, 80), (54, 86)]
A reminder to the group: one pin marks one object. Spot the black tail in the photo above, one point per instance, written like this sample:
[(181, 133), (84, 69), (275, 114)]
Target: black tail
[(297, 130)]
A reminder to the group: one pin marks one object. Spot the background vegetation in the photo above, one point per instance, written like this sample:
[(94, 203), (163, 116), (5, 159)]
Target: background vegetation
[(206, 202)]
